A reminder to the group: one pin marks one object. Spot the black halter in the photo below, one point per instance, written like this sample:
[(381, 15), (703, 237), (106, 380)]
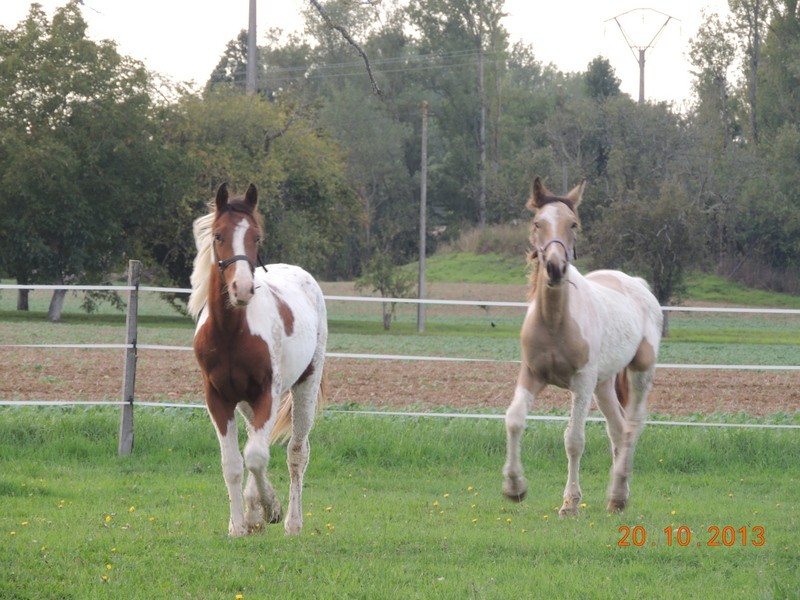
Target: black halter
[(224, 264)]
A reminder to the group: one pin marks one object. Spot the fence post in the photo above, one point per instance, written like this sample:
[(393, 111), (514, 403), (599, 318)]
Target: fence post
[(129, 374)]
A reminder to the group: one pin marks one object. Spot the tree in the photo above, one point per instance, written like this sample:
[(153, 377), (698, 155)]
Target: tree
[(83, 173), (470, 36), (310, 209), (601, 80), (713, 55), (749, 19), (656, 238)]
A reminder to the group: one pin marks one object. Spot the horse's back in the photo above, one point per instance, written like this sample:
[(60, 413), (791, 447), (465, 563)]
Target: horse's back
[(630, 308)]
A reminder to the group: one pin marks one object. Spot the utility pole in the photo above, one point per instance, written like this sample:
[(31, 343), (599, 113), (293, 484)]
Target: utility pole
[(251, 50), (423, 218), (640, 50)]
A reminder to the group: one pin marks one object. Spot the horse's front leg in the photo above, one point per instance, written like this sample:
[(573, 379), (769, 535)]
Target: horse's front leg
[(223, 416), (261, 503), (574, 442), (514, 486)]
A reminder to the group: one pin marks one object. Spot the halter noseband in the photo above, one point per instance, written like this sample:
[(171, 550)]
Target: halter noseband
[(541, 250)]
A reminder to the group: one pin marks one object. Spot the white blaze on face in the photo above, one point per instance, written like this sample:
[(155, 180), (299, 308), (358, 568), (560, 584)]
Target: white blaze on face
[(240, 287)]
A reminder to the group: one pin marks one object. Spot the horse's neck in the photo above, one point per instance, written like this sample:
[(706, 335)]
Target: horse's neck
[(552, 302), (221, 313)]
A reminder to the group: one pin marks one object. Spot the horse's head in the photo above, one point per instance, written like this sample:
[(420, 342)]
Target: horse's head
[(555, 228), (236, 235)]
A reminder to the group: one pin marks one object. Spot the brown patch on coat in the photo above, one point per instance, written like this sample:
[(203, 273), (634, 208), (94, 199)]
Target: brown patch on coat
[(645, 357), (287, 316), (234, 370)]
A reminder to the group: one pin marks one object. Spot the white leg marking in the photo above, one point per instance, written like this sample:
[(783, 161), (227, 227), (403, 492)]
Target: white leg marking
[(232, 471)]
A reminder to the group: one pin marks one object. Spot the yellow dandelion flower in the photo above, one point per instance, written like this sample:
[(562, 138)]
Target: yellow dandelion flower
[(132, 509), (436, 503), (474, 520), (104, 578), (508, 520), (239, 596), (584, 505), (470, 488), (730, 494), (309, 514), (12, 533), (328, 508), (151, 519), (445, 495), (24, 523), (109, 518), (109, 566), (673, 512), (545, 517)]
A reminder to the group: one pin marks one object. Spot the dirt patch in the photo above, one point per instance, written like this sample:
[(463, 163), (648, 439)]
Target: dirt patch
[(173, 376)]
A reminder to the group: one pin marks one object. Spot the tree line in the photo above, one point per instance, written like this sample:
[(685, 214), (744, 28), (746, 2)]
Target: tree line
[(102, 161)]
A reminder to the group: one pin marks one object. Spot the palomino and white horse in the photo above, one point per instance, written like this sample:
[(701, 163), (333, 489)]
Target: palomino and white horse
[(261, 334), (585, 334)]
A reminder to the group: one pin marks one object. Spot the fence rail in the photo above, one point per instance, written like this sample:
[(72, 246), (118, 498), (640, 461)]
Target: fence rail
[(131, 346)]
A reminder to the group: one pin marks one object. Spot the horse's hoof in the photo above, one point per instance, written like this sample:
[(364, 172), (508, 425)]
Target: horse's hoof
[(236, 532), (292, 528), (277, 517), (515, 489), (616, 506), (567, 511)]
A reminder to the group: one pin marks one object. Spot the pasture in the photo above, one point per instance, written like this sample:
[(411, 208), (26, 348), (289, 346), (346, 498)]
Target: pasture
[(394, 508)]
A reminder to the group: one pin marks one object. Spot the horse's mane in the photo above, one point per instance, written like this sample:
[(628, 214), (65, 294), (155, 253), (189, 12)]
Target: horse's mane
[(202, 263)]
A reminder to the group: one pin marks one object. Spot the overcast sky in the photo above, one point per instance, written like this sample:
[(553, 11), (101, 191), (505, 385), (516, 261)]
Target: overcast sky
[(184, 39)]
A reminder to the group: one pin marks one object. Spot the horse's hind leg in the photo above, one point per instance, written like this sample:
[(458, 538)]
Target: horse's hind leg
[(304, 407), (609, 405), (514, 485), (261, 504), (640, 384)]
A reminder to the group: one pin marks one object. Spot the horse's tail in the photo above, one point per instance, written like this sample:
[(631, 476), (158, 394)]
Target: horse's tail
[(282, 430), (621, 387)]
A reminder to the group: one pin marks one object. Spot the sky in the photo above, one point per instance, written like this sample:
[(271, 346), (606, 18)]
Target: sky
[(184, 39)]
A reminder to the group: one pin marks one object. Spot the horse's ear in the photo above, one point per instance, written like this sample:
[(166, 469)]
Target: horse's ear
[(251, 196), (222, 197), (538, 192), (576, 193)]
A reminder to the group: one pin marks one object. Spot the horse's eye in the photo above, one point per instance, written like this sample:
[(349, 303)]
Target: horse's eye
[(537, 225), (574, 226), (217, 237)]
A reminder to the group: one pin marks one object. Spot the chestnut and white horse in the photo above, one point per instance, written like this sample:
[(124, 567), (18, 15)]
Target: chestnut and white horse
[(260, 343), (585, 334)]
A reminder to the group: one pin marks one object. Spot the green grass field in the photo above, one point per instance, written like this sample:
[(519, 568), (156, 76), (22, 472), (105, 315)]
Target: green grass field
[(395, 508), (403, 507)]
